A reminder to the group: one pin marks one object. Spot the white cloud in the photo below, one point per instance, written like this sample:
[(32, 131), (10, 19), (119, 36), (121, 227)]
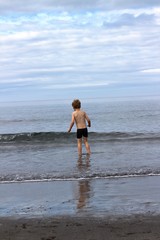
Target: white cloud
[(77, 85), (151, 71)]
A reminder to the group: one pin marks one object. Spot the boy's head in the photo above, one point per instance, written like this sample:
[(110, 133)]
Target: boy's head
[(76, 104)]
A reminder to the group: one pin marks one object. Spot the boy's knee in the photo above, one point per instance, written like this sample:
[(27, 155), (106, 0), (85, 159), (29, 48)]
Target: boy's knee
[(79, 140)]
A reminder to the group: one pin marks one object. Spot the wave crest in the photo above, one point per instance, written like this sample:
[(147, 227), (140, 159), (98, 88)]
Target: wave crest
[(14, 178), (64, 136)]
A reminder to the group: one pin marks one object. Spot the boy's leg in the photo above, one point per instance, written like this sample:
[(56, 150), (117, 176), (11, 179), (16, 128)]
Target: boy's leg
[(87, 145), (79, 145)]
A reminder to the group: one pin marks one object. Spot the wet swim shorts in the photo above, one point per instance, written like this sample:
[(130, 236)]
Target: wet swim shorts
[(82, 132)]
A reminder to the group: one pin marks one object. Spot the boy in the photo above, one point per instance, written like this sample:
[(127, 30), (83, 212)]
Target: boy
[(80, 117)]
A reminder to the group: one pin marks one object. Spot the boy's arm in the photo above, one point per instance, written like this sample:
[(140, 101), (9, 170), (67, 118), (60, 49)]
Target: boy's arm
[(72, 123), (88, 120)]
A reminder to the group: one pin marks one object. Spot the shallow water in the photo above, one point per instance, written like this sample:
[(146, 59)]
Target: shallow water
[(35, 147), (53, 161), (97, 198)]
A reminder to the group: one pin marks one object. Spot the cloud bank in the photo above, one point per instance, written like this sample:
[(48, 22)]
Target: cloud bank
[(55, 49), (9, 6)]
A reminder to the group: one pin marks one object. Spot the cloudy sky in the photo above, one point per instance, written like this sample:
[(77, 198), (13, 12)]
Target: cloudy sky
[(64, 49)]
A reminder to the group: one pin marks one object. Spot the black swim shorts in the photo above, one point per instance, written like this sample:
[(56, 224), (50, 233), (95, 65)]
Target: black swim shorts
[(82, 132)]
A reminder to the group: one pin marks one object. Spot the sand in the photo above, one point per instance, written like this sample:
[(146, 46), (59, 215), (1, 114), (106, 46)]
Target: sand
[(70, 228), (127, 209)]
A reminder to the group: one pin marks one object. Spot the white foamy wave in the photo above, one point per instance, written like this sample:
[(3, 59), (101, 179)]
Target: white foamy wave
[(48, 178)]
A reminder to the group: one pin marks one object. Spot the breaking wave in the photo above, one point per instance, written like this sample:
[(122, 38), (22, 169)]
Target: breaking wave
[(15, 178), (63, 137)]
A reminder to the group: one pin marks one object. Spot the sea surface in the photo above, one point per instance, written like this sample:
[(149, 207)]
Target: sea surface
[(124, 138)]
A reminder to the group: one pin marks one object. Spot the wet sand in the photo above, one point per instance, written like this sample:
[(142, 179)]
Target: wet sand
[(69, 228), (83, 198), (81, 210)]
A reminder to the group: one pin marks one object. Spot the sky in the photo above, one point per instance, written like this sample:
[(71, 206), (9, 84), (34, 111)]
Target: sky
[(66, 49)]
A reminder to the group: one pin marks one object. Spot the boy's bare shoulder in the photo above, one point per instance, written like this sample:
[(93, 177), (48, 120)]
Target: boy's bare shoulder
[(73, 115), (81, 111), (84, 113)]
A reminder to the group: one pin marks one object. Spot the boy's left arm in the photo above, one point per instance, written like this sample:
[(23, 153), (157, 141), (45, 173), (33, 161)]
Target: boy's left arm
[(88, 120)]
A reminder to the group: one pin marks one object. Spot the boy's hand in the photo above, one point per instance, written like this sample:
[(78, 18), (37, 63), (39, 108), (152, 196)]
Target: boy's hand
[(89, 124)]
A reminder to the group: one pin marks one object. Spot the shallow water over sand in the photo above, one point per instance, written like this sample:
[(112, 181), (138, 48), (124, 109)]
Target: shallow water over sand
[(82, 198), (41, 172)]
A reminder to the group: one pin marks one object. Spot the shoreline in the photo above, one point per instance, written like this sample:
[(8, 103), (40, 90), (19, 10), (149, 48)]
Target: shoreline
[(83, 198), (141, 227), (123, 209)]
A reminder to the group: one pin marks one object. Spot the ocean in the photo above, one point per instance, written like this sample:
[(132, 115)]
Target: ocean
[(35, 147)]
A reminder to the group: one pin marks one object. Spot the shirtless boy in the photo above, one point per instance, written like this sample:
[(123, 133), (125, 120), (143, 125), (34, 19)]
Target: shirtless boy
[(80, 117)]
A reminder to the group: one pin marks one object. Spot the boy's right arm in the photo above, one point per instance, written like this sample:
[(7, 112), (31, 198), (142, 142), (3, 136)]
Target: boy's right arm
[(72, 123)]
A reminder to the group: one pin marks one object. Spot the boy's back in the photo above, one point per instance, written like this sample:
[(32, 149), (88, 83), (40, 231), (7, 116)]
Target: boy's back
[(80, 118)]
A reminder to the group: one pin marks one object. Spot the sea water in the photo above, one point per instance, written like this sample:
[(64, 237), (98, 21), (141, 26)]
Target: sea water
[(36, 147)]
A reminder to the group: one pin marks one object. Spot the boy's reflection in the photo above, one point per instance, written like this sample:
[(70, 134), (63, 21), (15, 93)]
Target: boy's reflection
[(84, 185)]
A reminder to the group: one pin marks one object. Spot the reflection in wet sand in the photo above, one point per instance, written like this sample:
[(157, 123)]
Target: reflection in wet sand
[(84, 185), (84, 193)]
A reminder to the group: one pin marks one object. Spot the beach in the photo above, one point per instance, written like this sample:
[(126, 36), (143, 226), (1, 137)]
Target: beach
[(81, 210), (138, 227), (48, 192)]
